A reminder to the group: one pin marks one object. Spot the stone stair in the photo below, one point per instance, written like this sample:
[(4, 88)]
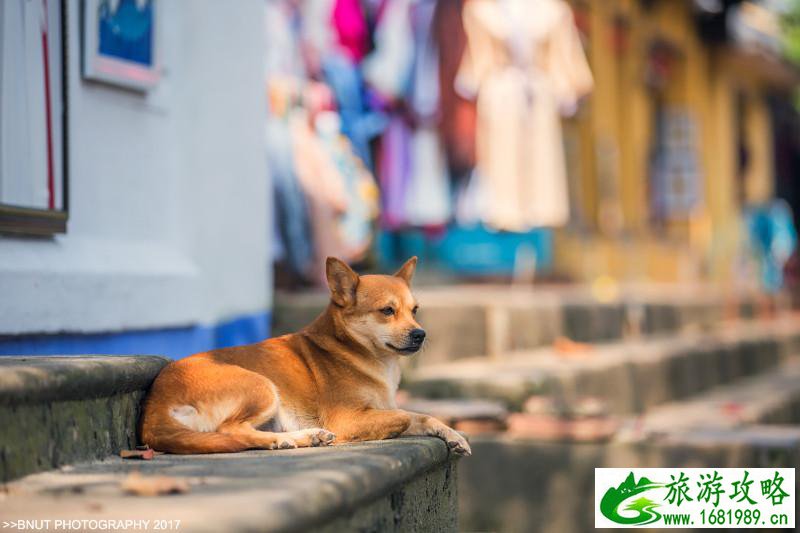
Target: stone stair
[(630, 376), (400, 485), (480, 320), (651, 356), (65, 421), (753, 421), (771, 397), (59, 410), (691, 379), (684, 374), (518, 485)]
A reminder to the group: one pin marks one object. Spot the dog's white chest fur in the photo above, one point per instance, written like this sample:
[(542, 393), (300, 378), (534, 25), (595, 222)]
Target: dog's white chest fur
[(392, 378)]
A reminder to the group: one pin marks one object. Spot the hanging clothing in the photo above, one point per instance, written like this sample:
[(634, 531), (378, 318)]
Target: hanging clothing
[(352, 33), (387, 68), (359, 123), (428, 196), (772, 240), (458, 114), (324, 189), (317, 30), (387, 71), (282, 50), (394, 169), (284, 68), (355, 224), (341, 194), (423, 95), (525, 64), (470, 200), (293, 242)]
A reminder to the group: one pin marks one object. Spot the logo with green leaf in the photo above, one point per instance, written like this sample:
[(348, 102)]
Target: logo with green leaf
[(642, 510)]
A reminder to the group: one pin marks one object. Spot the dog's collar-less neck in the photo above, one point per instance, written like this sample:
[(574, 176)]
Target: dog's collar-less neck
[(329, 339), (329, 325)]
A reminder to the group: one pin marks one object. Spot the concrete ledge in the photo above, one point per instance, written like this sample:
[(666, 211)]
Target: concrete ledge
[(405, 484), (31, 380), (772, 397), (57, 410), (521, 486), (505, 318), (631, 376)]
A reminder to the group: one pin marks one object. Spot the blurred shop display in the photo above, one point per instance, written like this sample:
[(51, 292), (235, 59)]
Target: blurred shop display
[(450, 109), (579, 139)]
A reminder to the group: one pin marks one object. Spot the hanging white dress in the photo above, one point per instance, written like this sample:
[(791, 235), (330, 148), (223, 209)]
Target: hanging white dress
[(525, 64)]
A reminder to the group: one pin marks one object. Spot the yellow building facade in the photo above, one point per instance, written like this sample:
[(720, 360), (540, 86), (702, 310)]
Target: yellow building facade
[(674, 141)]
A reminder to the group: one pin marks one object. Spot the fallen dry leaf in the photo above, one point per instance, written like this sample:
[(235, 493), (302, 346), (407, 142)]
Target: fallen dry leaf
[(145, 455), (141, 452), (140, 485)]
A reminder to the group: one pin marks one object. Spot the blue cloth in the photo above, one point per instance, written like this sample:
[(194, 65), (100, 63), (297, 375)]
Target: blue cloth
[(773, 239), (359, 123)]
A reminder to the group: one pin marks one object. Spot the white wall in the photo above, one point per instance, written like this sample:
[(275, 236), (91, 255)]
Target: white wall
[(169, 221)]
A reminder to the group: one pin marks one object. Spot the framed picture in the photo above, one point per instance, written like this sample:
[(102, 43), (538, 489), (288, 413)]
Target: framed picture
[(33, 117), (120, 42)]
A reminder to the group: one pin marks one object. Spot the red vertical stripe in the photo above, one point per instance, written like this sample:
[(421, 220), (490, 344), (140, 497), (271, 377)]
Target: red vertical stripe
[(51, 200)]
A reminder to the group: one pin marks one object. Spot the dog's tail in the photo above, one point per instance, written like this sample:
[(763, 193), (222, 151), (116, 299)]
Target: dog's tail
[(186, 441), (164, 434)]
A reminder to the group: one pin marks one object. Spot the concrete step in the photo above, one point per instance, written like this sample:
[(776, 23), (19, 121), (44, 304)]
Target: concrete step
[(68, 412), (630, 376), (57, 410), (400, 485), (514, 485), (469, 321), (772, 397), (753, 422)]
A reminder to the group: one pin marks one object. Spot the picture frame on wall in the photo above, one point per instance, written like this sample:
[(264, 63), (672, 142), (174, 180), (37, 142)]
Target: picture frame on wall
[(120, 43), (34, 115)]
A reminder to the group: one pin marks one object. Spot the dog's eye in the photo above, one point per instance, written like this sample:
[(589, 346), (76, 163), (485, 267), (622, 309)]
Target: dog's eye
[(414, 311), (388, 311)]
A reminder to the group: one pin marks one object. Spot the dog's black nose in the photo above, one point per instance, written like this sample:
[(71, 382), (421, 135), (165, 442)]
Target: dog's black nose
[(417, 335)]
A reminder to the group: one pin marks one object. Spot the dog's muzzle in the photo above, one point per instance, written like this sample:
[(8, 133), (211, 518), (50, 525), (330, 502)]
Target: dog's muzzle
[(415, 339)]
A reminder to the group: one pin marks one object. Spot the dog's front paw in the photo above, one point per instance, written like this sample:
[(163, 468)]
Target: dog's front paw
[(322, 437), (285, 443), (457, 444)]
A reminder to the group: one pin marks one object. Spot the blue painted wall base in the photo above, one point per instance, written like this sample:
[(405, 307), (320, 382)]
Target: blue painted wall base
[(170, 342)]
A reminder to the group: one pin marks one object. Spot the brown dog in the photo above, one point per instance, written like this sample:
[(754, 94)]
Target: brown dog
[(335, 379)]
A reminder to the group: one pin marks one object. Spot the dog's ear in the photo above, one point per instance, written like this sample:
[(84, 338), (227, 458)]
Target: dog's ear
[(342, 281), (406, 271)]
